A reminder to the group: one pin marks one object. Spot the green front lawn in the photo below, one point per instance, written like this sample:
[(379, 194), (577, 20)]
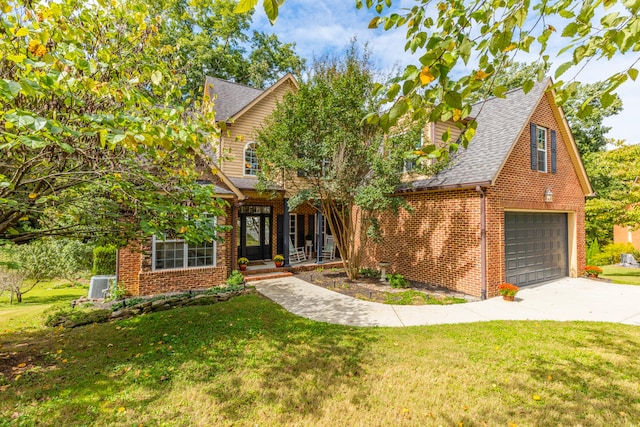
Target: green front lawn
[(249, 362), (29, 314), (622, 275)]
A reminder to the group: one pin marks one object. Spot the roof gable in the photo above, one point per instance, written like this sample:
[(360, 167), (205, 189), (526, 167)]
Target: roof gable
[(229, 97), (501, 121)]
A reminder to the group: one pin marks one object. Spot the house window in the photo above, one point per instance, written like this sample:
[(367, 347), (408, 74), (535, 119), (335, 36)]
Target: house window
[(293, 229), (169, 254), (541, 145), (411, 164), (251, 166)]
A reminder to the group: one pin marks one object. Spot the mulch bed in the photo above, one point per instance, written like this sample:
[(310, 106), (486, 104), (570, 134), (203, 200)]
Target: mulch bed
[(371, 289)]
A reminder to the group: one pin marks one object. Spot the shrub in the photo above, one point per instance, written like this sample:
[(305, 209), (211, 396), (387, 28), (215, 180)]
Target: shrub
[(611, 253), (104, 260), (235, 278), (397, 281), (592, 250), (369, 272)]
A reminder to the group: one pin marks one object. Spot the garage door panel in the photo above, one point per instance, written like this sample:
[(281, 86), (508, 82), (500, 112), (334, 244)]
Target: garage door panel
[(535, 247)]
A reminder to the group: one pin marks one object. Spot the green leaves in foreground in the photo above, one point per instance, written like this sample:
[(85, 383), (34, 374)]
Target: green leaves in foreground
[(94, 125)]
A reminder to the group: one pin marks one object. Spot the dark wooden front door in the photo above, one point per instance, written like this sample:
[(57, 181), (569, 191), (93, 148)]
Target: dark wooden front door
[(254, 235)]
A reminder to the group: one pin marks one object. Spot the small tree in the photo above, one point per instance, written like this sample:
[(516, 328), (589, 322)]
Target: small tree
[(11, 280), (317, 145)]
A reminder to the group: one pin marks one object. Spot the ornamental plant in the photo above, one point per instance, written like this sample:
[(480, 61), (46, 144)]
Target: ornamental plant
[(243, 261), (593, 270), (278, 258), (508, 289)]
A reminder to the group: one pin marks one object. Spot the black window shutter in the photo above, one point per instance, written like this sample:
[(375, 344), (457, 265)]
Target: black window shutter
[(300, 229), (311, 226), (280, 234), (534, 147), (553, 151)]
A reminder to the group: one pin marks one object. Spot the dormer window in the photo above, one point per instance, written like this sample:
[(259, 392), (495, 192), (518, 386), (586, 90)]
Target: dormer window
[(251, 166)]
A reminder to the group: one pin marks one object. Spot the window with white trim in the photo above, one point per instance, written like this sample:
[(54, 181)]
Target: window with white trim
[(410, 165), (251, 166), (541, 147), (170, 254), (293, 229)]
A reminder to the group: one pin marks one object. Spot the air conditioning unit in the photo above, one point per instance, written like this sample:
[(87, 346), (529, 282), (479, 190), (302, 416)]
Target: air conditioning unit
[(100, 285)]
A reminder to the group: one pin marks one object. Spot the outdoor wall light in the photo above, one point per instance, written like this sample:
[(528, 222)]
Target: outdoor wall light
[(548, 195)]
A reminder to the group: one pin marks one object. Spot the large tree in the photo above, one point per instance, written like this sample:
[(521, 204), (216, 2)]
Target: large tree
[(614, 175), (211, 40), (463, 45), (97, 137), (318, 147)]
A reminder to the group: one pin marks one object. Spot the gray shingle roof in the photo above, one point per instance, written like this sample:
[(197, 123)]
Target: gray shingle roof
[(500, 122), (230, 97)]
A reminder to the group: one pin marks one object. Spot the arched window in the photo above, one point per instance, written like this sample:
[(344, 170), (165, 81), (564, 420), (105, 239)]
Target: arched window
[(251, 166)]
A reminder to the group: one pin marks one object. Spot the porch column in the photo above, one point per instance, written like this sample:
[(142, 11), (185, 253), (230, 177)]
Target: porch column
[(285, 230), (319, 242)]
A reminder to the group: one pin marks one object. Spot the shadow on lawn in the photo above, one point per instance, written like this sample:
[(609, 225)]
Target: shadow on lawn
[(236, 356)]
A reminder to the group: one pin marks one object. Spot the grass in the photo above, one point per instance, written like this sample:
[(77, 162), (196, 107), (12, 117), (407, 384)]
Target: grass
[(29, 314), (248, 362), (623, 275), (412, 297)]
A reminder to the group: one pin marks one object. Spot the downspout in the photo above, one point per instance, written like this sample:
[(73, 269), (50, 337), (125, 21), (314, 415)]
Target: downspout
[(483, 242)]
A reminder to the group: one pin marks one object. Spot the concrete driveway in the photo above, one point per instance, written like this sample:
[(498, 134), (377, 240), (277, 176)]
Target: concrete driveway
[(565, 299)]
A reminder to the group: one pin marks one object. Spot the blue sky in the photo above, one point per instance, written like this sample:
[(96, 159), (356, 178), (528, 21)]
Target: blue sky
[(320, 27)]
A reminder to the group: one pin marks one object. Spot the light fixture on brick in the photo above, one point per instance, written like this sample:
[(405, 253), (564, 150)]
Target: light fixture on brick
[(548, 195)]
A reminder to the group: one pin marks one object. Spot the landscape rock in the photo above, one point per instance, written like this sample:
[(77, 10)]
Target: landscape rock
[(628, 260)]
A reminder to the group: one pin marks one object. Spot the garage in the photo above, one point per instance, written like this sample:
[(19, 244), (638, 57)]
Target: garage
[(535, 247)]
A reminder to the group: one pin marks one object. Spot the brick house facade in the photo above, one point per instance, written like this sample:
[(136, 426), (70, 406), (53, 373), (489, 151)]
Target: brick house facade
[(441, 241), (257, 217), (481, 221)]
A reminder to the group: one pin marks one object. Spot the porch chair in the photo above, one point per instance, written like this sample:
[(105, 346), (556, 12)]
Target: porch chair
[(296, 254), (329, 249)]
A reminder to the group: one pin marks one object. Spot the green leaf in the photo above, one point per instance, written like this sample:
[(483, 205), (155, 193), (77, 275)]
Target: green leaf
[(156, 77), (453, 99), (527, 86), (374, 22), (562, 68), (245, 6), (271, 9), (39, 123), (633, 73)]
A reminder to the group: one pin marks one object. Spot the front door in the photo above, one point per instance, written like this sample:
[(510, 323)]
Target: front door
[(254, 232)]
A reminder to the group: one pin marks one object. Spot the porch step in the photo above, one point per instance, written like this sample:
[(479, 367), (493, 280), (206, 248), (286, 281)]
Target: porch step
[(265, 276)]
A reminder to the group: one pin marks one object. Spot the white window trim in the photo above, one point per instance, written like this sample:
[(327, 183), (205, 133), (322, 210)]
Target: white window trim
[(185, 249), (538, 150), (293, 235), (244, 159), (415, 161)]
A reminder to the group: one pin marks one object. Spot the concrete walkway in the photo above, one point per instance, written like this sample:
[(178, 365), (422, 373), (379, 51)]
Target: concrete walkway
[(565, 299)]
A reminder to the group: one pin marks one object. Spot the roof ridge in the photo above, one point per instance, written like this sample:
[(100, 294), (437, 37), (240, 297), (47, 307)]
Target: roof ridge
[(234, 83), (507, 92)]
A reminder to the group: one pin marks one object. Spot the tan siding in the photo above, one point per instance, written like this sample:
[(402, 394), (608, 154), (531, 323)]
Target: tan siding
[(441, 128), (244, 130)]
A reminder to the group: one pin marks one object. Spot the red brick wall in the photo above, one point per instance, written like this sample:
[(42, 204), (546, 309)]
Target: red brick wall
[(136, 273), (520, 188), (440, 242)]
